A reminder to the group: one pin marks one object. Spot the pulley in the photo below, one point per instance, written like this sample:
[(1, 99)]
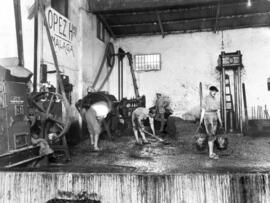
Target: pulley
[(110, 55)]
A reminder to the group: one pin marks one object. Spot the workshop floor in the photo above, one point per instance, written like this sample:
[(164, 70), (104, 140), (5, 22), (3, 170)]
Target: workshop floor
[(244, 154)]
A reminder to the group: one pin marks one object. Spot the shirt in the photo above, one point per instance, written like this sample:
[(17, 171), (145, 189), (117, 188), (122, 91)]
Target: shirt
[(140, 113), (210, 103), (101, 109)]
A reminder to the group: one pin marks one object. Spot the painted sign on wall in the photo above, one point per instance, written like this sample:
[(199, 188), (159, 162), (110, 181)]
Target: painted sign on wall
[(63, 34)]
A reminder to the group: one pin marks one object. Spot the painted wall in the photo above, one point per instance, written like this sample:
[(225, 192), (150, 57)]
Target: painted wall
[(188, 59), (87, 49)]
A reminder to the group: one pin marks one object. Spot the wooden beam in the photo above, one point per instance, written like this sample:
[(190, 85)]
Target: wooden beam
[(217, 16), (160, 24), (107, 26), (209, 11), (35, 48), (19, 34), (103, 6), (193, 20), (197, 25)]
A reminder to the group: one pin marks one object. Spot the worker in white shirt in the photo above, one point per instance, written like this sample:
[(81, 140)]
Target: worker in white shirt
[(138, 115)]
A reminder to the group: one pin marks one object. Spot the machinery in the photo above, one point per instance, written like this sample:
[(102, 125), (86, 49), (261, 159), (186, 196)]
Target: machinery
[(15, 138), (122, 106), (230, 65)]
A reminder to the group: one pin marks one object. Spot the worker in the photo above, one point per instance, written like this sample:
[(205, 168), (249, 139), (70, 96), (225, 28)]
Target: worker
[(162, 106), (138, 116), (210, 115), (93, 114)]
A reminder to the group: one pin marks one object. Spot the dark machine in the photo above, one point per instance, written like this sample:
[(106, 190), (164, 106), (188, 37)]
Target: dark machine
[(230, 66), (122, 106), (15, 138)]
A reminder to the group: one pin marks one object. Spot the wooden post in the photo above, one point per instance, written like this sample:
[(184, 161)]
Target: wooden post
[(35, 49), (245, 106), (59, 79), (18, 23), (224, 99), (201, 95), (240, 99)]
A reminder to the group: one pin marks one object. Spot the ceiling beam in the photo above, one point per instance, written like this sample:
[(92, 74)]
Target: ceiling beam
[(191, 20), (217, 16), (187, 13), (107, 26), (99, 6), (160, 24), (187, 26)]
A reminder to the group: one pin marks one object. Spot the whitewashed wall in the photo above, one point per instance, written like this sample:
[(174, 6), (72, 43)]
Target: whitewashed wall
[(188, 59), (88, 50)]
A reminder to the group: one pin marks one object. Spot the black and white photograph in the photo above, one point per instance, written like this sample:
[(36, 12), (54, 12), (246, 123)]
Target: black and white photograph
[(135, 101)]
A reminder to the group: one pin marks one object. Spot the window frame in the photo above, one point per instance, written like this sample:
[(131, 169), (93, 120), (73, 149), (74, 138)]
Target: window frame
[(137, 69), (100, 30), (66, 5)]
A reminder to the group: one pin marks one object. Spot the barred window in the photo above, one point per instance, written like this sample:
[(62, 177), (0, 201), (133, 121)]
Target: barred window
[(100, 31), (61, 6), (147, 62)]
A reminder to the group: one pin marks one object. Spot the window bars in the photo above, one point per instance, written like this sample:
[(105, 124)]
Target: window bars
[(147, 62)]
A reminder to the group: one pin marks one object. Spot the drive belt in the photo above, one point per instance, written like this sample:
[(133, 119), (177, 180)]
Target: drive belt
[(109, 55)]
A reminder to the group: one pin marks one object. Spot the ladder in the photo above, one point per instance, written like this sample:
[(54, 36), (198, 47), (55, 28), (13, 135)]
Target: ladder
[(228, 94), (229, 102)]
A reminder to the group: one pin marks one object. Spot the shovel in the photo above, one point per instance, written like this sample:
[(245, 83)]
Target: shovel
[(157, 138)]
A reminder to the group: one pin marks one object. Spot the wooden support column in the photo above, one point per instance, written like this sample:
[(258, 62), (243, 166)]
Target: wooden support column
[(19, 35), (35, 66), (106, 24), (217, 16), (240, 99), (160, 24), (224, 98)]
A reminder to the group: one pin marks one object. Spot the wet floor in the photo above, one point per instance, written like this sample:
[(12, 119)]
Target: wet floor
[(244, 154)]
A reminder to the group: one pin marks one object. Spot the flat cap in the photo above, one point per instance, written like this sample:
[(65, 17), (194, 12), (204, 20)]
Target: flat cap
[(213, 88)]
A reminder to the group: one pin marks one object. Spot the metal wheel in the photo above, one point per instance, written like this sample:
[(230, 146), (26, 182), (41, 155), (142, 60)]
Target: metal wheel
[(48, 106), (110, 55)]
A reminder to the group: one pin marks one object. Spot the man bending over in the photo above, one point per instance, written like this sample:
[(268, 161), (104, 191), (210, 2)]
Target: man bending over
[(138, 116)]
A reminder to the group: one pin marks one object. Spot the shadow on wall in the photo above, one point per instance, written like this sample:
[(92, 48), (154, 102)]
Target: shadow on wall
[(193, 114)]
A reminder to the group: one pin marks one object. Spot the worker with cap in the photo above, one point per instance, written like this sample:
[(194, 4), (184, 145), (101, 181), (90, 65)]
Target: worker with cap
[(162, 105), (138, 116), (210, 115)]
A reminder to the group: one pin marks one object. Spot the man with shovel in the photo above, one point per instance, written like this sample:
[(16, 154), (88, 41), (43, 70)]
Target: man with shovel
[(138, 115)]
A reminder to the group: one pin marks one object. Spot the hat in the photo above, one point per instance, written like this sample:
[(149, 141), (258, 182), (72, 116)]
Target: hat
[(213, 88)]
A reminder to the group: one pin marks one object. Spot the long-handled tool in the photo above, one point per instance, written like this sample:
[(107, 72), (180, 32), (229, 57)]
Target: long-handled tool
[(157, 138)]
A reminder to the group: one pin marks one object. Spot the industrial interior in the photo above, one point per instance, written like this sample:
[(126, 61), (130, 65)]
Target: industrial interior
[(135, 86)]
